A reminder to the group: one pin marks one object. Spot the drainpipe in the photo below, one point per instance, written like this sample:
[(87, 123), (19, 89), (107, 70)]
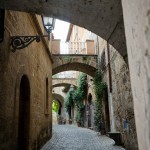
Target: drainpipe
[(109, 69), (98, 52), (110, 91)]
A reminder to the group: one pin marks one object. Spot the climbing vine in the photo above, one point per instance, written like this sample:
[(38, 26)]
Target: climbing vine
[(99, 87), (79, 95), (69, 103), (76, 98), (67, 59)]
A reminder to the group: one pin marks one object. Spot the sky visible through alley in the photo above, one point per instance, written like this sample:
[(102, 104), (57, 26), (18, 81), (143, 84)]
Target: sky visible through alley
[(60, 32)]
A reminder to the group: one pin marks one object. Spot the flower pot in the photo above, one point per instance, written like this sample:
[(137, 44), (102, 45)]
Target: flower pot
[(78, 124)]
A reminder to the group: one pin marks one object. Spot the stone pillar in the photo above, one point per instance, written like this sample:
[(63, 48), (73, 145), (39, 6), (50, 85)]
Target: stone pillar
[(137, 29), (90, 47), (56, 46)]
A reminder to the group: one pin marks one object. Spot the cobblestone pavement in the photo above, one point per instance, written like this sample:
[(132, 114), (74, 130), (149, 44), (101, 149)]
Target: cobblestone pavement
[(69, 137)]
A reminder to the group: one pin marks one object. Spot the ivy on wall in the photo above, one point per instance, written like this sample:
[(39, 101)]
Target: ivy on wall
[(76, 98), (99, 87), (69, 101), (79, 96)]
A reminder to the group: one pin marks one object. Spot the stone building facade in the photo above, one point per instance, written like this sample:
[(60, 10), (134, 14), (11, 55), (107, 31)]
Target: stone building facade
[(25, 82), (120, 97)]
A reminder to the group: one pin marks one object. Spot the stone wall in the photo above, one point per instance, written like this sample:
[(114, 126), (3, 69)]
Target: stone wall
[(34, 62), (122, 100), (137, 26)]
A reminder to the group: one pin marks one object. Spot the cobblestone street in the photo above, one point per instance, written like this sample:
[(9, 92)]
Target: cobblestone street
[(68, 137)]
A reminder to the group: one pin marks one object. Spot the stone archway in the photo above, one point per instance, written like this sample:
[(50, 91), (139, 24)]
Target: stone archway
[(83, 63), (57, 82), (24, 114), (105, 18), (61, 110), (75, 67), (60, 99)]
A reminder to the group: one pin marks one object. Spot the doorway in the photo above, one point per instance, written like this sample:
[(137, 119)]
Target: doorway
[(24, 114), (106, 112)]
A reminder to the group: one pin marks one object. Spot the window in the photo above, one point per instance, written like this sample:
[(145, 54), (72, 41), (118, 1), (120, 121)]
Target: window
[(46, 98)]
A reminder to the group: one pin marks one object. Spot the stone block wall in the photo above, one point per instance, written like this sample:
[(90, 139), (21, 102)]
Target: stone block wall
[(123, 100), (34, 62), (137, 26)]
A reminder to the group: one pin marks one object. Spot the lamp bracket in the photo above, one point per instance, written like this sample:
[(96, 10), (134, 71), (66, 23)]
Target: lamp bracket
[(20, 42)]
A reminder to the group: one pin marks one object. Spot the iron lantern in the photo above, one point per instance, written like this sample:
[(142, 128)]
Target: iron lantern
[(49, 23)]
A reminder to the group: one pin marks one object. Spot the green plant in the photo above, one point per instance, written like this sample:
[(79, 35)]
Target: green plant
[(76, 98), (55, 106), (99, 87), (69, 101), (67, 59), (79, 95)]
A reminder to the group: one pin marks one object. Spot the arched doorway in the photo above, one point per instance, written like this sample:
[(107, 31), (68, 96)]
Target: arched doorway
[(89, 110), (24, 114), (106, 111)]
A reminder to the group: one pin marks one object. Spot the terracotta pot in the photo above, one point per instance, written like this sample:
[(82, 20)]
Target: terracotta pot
[(78, 124), (70, 121)]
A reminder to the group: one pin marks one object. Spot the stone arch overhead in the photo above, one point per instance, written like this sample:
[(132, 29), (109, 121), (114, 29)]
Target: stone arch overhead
[(58, 97), (62, 84), (102, 17), (57, 82), (82, 63), (75, 67)]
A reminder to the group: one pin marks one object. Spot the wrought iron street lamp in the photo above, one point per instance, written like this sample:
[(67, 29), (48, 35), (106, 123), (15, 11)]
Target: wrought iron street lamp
[(49, 24), (20, 42)]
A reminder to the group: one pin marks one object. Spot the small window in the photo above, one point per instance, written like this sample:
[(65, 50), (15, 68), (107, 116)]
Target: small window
[(46, 98)]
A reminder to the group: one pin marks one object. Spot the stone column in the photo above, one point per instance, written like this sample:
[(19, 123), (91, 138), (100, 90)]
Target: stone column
[(137, 29)]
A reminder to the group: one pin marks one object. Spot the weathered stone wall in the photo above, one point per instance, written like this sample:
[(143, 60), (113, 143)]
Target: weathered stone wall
[(35, 63), (122, 100), (137, 27)]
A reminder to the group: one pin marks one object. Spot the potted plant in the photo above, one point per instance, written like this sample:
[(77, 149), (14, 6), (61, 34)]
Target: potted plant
[(78, 119), (70, 121)]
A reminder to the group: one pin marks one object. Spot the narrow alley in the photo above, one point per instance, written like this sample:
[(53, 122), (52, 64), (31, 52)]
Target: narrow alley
[(69, 137), (75, 75)]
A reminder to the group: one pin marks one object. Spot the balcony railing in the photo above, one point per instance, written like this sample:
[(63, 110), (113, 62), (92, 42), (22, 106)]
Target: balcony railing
[(60, 47), (77, 47)]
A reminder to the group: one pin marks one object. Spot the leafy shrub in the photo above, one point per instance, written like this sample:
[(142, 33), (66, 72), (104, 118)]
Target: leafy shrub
[(99, 87)]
